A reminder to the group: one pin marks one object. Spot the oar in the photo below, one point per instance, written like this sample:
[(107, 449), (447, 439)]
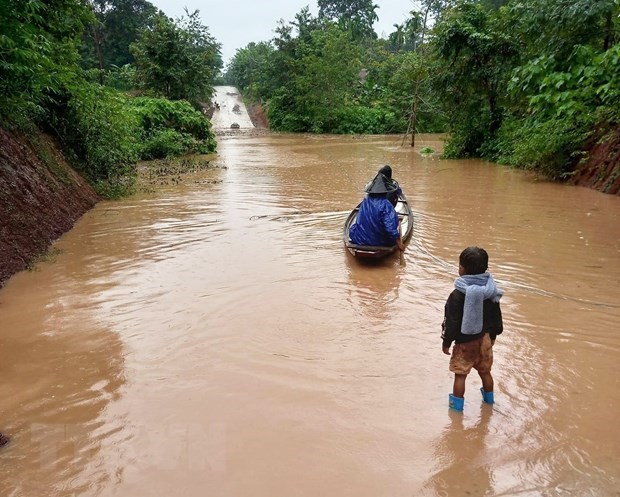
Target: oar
[(401, 259)]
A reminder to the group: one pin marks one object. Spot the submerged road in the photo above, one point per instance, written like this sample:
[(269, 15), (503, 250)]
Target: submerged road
[(231, 109)]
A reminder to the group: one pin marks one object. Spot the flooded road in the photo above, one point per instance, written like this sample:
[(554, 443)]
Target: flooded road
[(213, 337), (229, 109)]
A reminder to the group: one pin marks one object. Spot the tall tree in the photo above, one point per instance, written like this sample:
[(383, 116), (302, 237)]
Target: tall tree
[(474, 56), (117, 25), (321, 76), (38, 50), (357, 16), (177, 60), (556, 26), (397, 38), (249, 70)]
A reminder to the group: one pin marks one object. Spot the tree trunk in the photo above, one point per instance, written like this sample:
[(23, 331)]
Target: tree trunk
[(97, 37)]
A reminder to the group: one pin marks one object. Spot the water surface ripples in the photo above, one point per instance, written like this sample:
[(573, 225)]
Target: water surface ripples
[(215, 334)]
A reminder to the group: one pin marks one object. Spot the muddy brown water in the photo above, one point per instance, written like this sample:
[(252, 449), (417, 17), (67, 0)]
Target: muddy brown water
[(213, 337)]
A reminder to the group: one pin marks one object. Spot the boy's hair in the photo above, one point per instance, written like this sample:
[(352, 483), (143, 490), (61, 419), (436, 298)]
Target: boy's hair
[(474, 260)]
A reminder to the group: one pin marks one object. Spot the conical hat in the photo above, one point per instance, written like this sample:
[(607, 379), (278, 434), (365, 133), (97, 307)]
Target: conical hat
[(380, 184)]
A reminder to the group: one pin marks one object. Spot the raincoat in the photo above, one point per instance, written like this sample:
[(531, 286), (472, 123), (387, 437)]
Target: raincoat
[(376, 223)]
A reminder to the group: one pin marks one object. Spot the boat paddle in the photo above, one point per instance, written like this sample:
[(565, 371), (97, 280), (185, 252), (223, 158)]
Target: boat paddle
[(401, 252)]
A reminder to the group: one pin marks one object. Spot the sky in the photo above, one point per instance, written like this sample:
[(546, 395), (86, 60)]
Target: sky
[(235, 23)]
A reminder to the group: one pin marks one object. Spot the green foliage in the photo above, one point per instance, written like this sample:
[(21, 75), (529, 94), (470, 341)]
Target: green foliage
[(589, 83), (355, 16), (115, 25), (166, 143), (324, 80), (548, 146), (360, 120), (171, 128), (565, 100), (323, 74), (409, 35), (121, 78), (38, 52), (556, 26), (249, 70), (177, 60), (97, 127), (473, 54)]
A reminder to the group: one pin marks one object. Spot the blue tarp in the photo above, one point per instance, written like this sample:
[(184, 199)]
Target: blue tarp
[(376, 223)]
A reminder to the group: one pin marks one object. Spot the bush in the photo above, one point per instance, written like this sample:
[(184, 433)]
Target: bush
[(98, 129), (364, 120), (121, 78), (166, 143), (171, 128), (466, 139), (547, 146)]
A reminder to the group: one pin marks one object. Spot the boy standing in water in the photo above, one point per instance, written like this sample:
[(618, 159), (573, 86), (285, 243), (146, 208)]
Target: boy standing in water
[(472, 319)]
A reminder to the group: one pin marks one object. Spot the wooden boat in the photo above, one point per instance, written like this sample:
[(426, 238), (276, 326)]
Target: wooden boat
[(405, 216)]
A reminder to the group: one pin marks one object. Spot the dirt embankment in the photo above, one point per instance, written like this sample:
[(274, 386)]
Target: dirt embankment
[(258, 116), (41, 198), (601, 169)]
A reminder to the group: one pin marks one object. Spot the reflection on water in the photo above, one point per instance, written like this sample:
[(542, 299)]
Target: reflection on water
[(214, 337), (373, 287), (465, 461)]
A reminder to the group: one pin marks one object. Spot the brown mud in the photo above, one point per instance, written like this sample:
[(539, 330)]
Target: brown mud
[(258, 116), (41, 198), (601, 168)]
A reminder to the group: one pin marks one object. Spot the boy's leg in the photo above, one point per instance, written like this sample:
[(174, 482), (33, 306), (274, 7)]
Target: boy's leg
[(487, 388), (487, 381), (483, 366), (456, 399), (458, 390)]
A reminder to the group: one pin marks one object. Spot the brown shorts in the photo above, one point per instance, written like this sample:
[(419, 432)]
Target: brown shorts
[(477, 354)]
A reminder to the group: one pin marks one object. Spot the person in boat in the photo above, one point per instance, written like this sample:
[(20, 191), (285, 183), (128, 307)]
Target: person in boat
[(377, 222), (387, 172)]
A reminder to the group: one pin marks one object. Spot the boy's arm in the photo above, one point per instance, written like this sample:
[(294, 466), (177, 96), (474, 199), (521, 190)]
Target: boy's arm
[(451, 326), (445, 348), (496, 326)]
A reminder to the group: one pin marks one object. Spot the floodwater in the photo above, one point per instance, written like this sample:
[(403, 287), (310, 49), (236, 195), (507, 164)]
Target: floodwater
[(212, 337)]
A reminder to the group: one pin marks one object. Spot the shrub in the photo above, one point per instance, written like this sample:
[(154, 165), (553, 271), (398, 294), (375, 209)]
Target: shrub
[(166, 143), (364, 120), (548, 146), (98, 129), (171, 128)]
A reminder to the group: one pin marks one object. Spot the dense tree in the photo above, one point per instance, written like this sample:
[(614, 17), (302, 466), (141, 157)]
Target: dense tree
[(556, 26), (326, 70), (474, 55), (356, 16), (116, 25), (566, 88), (397, 38), (177, 60), (38, 51), (250, 70)]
